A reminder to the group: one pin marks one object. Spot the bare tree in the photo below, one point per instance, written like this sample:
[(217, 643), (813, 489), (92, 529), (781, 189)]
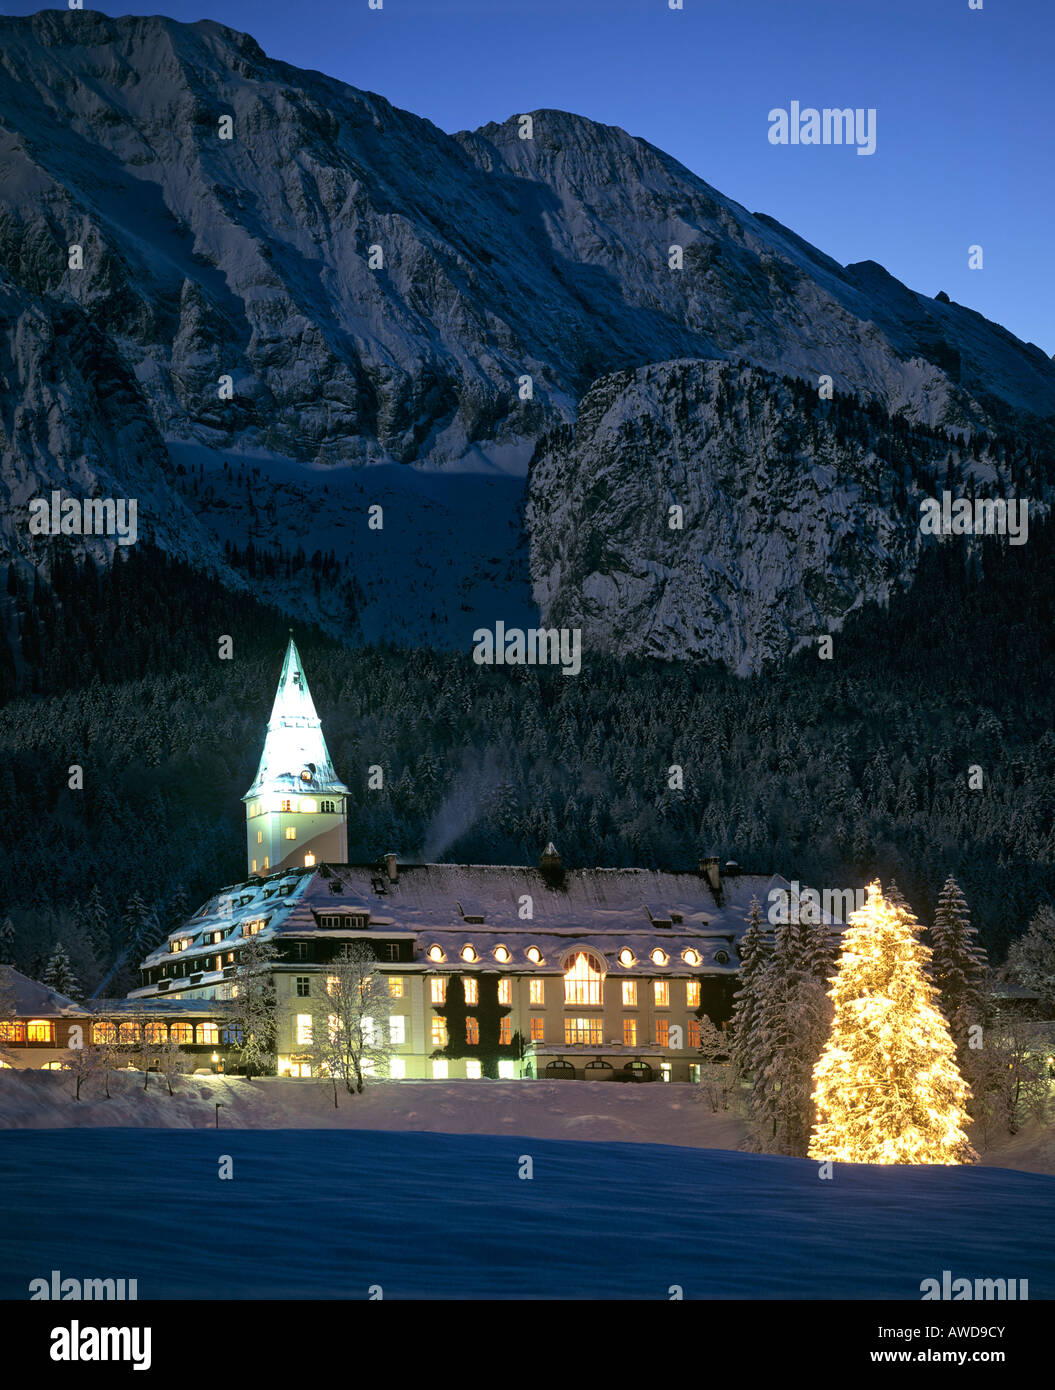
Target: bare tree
[(173, 1061), (350, 1012), (1008, 1076), (715, 1076), (253, 1010)]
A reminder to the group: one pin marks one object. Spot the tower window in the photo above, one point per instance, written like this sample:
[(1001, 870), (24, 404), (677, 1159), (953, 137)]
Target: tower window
[(291, 833), (328, 806), (260, 841), (287, 805), (303, 986)]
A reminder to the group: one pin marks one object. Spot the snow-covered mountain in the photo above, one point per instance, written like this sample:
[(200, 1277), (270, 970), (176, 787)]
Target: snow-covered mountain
[(377, 291), (702, 508)]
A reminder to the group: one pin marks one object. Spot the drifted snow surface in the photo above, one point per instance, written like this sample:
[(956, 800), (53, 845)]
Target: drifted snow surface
[(330, 1212)]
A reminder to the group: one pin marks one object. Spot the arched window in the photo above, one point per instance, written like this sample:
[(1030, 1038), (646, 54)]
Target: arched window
[(182, 1033), (155, 1032), (560, 1068), (104, 1032), (584, 979), (208, 1034), (128, 1032)]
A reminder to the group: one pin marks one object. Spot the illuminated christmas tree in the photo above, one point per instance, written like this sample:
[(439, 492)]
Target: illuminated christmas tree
[(887, 1088)]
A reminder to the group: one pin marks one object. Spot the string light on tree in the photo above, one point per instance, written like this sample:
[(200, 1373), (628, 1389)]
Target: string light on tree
[(887, 1088)]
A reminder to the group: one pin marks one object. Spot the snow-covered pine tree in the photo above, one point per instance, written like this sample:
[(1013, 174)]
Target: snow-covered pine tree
[(747, 1002), (59, 975), (887, 1088), (958, 964), (7, 942), (794, 1022), (1031, 959)]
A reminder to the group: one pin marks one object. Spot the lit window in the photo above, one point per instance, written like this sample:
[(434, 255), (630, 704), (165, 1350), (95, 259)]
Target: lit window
[(286, 806), (537, 992), (472, 989), (534, 955), (182, 1033), (303, 986), (661, 989), (664, 1071), (397, 1029), (473, 1070), (439, 1069), (304, 1030), (435, 953), (397, 1068), (128, 1033), (501, 954), (40, 1030), (629, 994), (251, 928), (694, 1032), (291, 833), (439, 1031), (629, 1032), (260, 841), (104, 1032), (472, 1031), (691, 957), (659, 957), (505, 1030), (506, 1069), (309, 860), (395, 986), (626, 956), (663, 1032), (209, 1034), (692, 994), (537, 1030), (505, 991), (306, 804), (468, 953), (155, 1032), (584, 980), (254, 866), (438, 989), (12, 1032), (583, 1030), (265, 866)]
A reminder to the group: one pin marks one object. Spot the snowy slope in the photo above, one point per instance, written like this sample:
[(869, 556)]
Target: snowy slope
[(446, 1216)]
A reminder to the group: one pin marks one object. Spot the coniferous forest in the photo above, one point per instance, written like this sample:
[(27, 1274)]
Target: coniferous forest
[(826, 771)]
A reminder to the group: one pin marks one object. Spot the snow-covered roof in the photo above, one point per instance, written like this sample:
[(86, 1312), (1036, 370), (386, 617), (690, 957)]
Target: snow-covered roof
[(32, 999)]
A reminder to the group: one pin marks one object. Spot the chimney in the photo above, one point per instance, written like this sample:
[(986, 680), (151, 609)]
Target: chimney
[(732, 868), (709, 871), (392, 869)]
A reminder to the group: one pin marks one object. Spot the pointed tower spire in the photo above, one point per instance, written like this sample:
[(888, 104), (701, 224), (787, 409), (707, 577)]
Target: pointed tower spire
[(296, 808)]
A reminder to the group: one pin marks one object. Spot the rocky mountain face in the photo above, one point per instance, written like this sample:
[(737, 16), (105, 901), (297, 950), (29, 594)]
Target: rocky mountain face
[(702, 508), (341, 283)]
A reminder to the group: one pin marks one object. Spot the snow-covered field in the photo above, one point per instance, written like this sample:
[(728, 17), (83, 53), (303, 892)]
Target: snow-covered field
[(333, 1213), (588, 1110), (327, 1203)]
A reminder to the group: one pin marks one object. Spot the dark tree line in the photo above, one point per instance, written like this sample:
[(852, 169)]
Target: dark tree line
[(832, 772)]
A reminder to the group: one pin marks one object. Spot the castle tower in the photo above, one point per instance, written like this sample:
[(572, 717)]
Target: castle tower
[(296, 809)]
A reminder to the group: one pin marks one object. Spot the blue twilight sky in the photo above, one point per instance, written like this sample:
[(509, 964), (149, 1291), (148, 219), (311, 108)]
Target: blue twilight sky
[(963, 98)]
